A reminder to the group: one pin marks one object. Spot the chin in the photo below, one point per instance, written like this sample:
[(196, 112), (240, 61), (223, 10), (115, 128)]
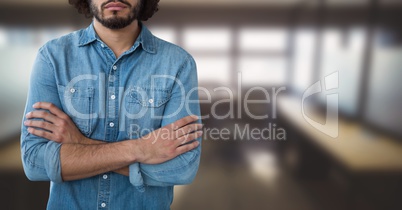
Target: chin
[(115, 13)]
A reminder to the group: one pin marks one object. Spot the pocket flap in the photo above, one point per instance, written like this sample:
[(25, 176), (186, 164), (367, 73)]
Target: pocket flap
[(76, 92), (148, 97)]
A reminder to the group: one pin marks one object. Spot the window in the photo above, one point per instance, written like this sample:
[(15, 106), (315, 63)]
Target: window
[(213, 69), (18, 49), (263, 39), (208, 39), (210, 47), (384, 97), (262, 70), (263, 57), (343, 51), (305, 45), (164, 32), (18, 43), (3, 37)]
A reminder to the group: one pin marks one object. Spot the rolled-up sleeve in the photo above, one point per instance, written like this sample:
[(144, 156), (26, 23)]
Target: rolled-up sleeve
[(183, 102), (41, 157)]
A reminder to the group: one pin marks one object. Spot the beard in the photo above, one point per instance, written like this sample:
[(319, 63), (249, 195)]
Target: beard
[(115, 22)]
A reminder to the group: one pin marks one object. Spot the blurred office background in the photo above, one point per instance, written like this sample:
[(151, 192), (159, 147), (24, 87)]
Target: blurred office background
[(273, 43)]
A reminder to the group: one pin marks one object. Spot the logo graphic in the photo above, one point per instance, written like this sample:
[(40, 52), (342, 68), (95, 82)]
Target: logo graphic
[(331, 127)]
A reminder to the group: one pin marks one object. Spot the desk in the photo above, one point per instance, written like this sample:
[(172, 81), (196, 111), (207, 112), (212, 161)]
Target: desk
[(366, 169), (10, 156), (357, 152)]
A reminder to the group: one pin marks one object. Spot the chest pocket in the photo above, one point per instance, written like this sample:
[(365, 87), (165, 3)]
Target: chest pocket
[(78, 104), (146, 102)]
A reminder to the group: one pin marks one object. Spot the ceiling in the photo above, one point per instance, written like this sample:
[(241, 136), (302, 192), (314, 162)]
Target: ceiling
[(166, 2), (188, 2), (196, 3)]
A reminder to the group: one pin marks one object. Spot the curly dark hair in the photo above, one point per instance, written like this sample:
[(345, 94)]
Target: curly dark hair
[(147, 10)]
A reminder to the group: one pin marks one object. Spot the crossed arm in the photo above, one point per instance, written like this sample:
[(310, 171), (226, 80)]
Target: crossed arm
[(54, 149), (82, 157)]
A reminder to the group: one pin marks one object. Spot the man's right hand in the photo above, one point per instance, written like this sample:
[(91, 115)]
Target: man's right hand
[(168, 142)]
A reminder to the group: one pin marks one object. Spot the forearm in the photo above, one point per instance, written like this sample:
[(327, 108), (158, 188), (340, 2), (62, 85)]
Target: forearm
[(79, 161), (122, 171), (78, 157)]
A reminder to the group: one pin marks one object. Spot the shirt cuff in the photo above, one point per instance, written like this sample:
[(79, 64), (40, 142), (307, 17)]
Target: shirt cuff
[(136, 177), (52, 161)]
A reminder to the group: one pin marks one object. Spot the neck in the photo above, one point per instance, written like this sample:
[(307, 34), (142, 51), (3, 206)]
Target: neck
[(119, 40)]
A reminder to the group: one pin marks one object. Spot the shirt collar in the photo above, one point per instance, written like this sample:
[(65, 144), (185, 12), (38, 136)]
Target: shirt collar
[(145, 38)]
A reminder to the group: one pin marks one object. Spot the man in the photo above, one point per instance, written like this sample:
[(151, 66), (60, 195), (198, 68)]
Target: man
[(112, 115)]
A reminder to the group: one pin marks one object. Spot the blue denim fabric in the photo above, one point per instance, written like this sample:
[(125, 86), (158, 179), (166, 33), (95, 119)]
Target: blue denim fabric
[(112, 99)]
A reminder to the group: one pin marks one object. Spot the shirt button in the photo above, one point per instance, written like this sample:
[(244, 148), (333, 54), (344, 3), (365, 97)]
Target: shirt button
[(115, 68), (111, 125), (105, 176), (151, 101), (113, 97), (103, 205), (102, 45), (72, 90)]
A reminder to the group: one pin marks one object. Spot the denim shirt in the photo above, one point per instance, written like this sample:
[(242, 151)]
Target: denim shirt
[(112, 99)]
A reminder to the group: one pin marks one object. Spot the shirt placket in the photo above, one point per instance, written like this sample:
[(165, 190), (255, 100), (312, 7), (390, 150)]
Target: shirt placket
[(104, 193), (112, 104)]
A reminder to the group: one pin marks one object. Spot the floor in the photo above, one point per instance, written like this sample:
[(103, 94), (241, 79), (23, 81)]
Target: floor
[(232, 175), (249, 178)]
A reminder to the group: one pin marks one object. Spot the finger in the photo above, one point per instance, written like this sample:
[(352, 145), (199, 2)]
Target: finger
[(40, 124), (42, 133), (51, 107), (187, 129), (189, 137), (188, 147), (183, 121), (42, 115)]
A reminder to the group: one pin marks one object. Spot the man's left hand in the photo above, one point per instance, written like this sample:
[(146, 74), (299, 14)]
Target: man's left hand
[(57, 126)]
